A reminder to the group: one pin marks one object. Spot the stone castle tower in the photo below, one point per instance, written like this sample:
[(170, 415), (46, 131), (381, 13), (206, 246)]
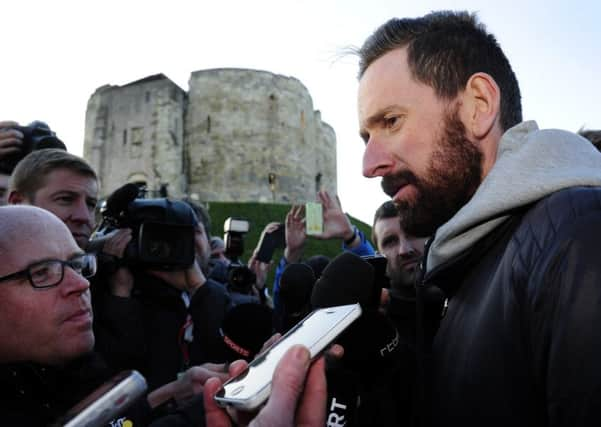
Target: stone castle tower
[(237, 135)]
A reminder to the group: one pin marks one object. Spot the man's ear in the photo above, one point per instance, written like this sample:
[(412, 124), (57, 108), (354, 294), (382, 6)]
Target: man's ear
[(482, 99), (16, 198)]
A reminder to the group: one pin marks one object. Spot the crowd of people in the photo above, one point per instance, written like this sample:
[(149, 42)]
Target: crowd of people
[(482, 315)]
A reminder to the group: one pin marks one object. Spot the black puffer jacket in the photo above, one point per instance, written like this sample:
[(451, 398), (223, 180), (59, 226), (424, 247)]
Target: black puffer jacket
[(520, 343)]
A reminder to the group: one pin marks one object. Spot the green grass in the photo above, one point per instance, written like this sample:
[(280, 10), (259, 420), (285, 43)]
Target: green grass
[(261, 214)]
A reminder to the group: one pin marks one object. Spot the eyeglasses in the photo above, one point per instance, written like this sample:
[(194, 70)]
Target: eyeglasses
[(50, 273)]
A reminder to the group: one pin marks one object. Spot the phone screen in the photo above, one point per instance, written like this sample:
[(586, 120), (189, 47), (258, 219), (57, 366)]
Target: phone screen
[(314, 218), (316, 331)]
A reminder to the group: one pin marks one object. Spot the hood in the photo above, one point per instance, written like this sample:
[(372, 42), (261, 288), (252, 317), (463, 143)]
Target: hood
[(531, 164)]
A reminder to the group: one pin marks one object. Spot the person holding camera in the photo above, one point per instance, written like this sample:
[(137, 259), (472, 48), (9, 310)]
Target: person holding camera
[(16, 142), (129, 320), (10, 143), (178, 310)]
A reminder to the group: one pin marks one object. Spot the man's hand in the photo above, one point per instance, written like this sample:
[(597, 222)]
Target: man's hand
[(121, 282), (336, 224), (116, 241), (298, 394), (295, 234), (261, 269), (11, 140), (189, 384)]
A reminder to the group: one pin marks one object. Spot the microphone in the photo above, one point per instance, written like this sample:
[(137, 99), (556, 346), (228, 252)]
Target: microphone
[(347, 279), (371, 343), (296, 284), (245, 329), (119, 199)]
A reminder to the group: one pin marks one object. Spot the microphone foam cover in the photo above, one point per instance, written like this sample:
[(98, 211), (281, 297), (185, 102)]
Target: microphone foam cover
[(245, 329), (296, 284), (120, 198), (347, 279)]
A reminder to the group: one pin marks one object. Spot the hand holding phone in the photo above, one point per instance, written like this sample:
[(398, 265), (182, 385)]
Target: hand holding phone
[(299, 384), (252, 387), (269, 242)]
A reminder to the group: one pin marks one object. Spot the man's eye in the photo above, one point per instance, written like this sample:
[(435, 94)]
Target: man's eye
[(389, 242), (40, 273), (64, 199), (391, 121)]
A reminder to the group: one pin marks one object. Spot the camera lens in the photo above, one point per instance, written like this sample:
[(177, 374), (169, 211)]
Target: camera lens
[(159, 249)]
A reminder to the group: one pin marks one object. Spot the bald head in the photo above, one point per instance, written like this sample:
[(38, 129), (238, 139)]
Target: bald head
[(23, 223)]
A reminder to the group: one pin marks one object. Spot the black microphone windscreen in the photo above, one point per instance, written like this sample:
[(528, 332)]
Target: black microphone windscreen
[(318, 263), (347, 279), (120, 199), (245, 329), (296, 284)]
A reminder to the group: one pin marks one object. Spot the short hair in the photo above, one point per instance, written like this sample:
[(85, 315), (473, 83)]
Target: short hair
[(386, 210), (216, 243), (594, 136), (201, 214), (444, 49), (30, 173)]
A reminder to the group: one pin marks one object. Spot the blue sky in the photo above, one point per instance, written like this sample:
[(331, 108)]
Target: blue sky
[(55, 54)]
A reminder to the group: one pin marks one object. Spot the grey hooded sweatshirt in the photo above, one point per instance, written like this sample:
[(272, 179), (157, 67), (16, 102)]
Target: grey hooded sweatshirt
[(530, 165)]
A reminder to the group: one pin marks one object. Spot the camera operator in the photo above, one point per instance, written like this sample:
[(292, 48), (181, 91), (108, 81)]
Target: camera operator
[(10, 141), (16, 142), (178, 312)]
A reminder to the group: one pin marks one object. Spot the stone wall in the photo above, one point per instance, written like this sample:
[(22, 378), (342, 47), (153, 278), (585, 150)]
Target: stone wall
[(222, 141)]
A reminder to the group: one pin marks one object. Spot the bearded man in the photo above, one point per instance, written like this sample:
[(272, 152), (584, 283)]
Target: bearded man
[(512, 281)]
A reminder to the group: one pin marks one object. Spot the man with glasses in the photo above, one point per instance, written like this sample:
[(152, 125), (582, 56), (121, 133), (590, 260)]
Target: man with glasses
[(41, 321), (45, 318), (46, 337)]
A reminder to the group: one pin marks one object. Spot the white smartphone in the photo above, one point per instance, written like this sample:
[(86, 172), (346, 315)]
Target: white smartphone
[(106, 402), (251, 388)]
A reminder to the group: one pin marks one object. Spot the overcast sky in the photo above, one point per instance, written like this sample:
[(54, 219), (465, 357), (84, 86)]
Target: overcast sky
[(55, 54)]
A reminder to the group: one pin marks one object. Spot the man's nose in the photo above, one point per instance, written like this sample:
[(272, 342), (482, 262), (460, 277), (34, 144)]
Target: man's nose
[(376, 160), (73, 282), (406, 249), (82, 213)]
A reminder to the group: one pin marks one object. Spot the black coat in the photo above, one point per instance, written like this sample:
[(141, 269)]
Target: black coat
[(520, 342), (33, 395), (145, 332)]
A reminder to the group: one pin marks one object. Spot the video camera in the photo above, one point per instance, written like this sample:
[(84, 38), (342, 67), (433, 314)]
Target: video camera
[(162, 229), (36, 136)]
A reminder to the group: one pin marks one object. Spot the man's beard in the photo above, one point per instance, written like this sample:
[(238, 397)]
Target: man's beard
[(453, 176), (401, 278)]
